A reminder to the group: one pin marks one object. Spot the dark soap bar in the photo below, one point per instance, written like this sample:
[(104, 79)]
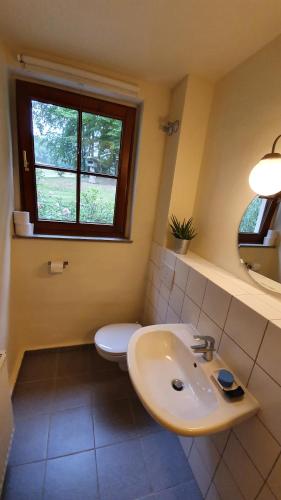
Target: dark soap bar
[(236, 393)]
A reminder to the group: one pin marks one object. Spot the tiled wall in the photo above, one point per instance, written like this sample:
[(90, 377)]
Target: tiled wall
[(245, 462)]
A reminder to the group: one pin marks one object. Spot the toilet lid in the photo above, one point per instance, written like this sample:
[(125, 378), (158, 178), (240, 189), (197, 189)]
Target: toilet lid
[(115, 338)]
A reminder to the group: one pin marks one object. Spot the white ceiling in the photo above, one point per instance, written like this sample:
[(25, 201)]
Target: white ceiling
[(159, 40)]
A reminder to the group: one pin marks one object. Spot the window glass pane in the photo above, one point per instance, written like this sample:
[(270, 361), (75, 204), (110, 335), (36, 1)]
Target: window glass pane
[(101, 137), (56, 195), (97, 199), (252, 218), (55, 135)]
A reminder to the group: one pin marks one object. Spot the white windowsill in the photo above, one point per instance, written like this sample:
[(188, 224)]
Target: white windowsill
[(73, 238)]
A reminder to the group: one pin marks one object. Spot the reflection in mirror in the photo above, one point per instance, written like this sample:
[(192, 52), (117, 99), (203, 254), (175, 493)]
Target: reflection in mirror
[(259, 241)]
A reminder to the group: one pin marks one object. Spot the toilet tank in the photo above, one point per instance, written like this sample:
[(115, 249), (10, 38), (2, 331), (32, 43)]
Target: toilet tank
[(6, 418)]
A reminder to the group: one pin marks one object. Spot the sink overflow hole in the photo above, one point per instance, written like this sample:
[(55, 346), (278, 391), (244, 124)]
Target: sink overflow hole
[(177, 384)]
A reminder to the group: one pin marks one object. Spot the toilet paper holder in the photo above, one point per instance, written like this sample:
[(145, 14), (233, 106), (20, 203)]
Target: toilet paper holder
[(65, 263)]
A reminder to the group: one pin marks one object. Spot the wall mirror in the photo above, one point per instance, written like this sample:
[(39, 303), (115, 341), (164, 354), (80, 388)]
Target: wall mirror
[(259, 241)]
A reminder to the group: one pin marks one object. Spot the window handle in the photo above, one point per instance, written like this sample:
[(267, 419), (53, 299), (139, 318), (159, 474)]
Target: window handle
[(25, 162)]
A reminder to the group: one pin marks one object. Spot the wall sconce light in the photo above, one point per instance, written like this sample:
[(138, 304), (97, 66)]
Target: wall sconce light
[(265, 177), (171, 128)]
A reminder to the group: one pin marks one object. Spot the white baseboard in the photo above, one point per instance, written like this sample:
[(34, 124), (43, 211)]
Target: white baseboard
[(69, 343), (14, 375)]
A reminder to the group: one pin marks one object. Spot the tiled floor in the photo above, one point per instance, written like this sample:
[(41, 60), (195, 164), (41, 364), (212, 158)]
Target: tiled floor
[(82, 434)]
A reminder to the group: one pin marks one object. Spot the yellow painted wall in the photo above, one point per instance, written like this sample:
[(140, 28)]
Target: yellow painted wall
[(190, 104), (245, 119), (169, 162), (104, 281), (194, 122), (7, 342)]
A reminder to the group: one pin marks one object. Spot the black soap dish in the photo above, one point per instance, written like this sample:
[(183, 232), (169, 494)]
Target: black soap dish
[(227, 384)]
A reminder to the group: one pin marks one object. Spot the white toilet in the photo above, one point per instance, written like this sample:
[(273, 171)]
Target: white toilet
[(112, 342)]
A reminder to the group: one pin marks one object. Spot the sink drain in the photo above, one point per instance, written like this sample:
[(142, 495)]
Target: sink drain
[(177, 384)]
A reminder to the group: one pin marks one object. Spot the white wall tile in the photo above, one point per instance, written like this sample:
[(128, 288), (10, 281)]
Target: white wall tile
[(149, 316), (156, 277), (176, 299), (242, 469), (155, 254), (225, 484), (216, 303), (206, 326), (245, 326), (199, 470), (166, 275), (269, 356), (196, 286), (186, 443), (266, 494), (274, 479), (164, 292), (235, 358), (208, 452), (168, 257), (172, 317), (263, 304), (260, 445), (213, 493), (181, 274), (219, 439), (153, 295), (190, 311), (268, 394), (162, 306)]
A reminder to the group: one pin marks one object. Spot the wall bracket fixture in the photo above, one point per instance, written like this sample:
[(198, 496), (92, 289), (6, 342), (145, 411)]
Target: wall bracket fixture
[(171, 128)]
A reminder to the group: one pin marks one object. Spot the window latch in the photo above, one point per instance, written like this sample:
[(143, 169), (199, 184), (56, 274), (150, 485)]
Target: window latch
[(25, 162)]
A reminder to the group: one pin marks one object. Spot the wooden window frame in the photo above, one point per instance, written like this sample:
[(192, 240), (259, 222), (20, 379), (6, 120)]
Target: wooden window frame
[(257, 238), (26, 92)]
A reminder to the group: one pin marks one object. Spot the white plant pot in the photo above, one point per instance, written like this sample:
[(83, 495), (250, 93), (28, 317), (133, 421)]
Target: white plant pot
[(181, 246), (24, 229)]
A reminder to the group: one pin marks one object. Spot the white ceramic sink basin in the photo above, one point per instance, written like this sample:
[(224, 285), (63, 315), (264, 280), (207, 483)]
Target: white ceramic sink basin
[(157, 355)]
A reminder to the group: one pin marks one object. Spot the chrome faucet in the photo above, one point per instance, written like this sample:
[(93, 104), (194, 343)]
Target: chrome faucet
[(207, 348)]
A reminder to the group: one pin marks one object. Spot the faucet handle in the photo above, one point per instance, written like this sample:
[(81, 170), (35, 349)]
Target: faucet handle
[(208, 341)]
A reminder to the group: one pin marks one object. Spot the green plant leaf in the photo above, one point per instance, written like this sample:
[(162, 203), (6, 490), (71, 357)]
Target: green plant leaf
[(183, 230)]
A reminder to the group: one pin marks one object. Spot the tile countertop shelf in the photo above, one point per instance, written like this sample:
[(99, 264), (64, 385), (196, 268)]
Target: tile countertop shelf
[(263, 303)]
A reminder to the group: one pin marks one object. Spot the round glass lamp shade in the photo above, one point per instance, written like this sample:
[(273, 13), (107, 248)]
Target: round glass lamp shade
[(265, 177)]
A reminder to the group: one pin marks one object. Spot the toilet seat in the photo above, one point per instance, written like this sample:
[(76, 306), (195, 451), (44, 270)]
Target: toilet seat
[(114, 339)]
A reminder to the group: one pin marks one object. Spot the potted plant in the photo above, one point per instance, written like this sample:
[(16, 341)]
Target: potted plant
[(183, 233)]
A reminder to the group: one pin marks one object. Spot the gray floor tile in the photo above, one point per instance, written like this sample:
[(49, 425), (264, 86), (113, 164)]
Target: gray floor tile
[(77, 386), (113, 422), (111, 386), (121, 472), (72, 478), (75, 361), (145, 424), (70, 431), (24, 482), (165, 460), (31, 398), (30, 440), (100, 364), (72, 392), (38, 365), (184, 491)]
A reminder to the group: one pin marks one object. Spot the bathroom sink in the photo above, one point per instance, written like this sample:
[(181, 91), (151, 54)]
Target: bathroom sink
[(177, 386)]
